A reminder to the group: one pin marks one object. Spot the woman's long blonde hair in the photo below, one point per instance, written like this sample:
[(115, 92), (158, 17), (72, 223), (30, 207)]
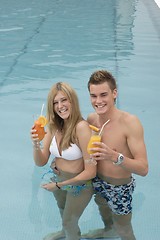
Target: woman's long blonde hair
[(68, 128)]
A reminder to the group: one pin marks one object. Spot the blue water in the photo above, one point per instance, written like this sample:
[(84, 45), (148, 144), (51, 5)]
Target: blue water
[(42, 42)]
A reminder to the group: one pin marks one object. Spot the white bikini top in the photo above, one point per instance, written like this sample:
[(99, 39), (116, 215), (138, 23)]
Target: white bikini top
[(71, 153)]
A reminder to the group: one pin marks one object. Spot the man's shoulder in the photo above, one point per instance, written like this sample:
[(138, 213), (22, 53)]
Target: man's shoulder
[(93, 114), (80, 125), (127, 115), (92, 117), (128, 118)]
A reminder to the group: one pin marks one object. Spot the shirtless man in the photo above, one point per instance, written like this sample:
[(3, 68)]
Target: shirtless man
[(121, 154)]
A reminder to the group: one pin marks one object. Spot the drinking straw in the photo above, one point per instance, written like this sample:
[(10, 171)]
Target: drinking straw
[(100, 133), (42, 109)]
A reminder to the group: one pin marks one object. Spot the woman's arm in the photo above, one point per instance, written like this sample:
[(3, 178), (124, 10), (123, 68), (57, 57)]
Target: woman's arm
[(83, 135)]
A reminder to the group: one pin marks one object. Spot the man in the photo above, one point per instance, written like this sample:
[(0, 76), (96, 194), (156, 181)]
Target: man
[(121, 153)]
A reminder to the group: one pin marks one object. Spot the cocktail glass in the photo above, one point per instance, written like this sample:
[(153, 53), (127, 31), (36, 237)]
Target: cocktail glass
[(96, 137), (39, 125)]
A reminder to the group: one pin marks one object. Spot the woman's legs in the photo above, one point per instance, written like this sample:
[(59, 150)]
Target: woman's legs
[(60, 197), (74, 207)]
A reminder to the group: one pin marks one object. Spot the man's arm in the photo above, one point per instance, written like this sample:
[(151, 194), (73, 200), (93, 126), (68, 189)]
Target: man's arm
[(136, 144)]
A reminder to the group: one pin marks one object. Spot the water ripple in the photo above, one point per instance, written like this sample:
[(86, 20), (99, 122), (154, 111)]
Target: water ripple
[(11, 29)]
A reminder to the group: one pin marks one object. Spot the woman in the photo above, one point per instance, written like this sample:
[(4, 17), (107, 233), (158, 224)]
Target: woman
[(66, 138)]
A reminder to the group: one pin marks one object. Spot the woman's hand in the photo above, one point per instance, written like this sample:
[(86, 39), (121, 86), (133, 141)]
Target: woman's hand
[(50, 186), (34, 138), (33, 134)]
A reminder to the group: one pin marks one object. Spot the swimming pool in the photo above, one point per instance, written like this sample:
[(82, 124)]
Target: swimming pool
[(58, 40)]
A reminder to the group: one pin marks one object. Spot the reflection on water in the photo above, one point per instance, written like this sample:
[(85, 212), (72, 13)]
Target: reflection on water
[(41, 202), (35, 210), (56, 40)]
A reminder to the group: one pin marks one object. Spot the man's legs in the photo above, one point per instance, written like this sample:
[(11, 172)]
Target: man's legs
[(123, 226), (104, 211), (106, 216)]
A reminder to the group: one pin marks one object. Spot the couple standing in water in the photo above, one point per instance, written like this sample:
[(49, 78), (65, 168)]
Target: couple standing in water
[(121, 154)]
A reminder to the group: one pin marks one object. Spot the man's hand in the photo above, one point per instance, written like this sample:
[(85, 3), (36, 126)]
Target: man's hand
[(103, 152)]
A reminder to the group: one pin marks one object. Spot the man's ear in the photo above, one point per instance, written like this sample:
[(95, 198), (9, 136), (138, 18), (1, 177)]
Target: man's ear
[(115, 94)]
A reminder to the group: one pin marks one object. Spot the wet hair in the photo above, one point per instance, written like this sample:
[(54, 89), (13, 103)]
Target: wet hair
[(55, 122), (102, 76)]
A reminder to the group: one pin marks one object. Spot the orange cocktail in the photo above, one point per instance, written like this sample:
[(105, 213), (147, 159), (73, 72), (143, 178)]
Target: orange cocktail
[(94, 138), (39, 125)]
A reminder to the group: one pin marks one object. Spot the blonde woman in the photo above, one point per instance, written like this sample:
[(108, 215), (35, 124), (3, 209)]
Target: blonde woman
[(66, 139)]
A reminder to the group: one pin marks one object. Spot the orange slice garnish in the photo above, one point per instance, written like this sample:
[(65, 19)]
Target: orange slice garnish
[(94, 128), (42, 120)]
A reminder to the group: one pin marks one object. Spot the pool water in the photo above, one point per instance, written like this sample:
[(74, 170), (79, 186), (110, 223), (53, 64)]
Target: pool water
[(43, 42)]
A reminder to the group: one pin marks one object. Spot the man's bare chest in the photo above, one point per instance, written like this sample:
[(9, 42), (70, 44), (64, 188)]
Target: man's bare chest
[(115, 138)]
